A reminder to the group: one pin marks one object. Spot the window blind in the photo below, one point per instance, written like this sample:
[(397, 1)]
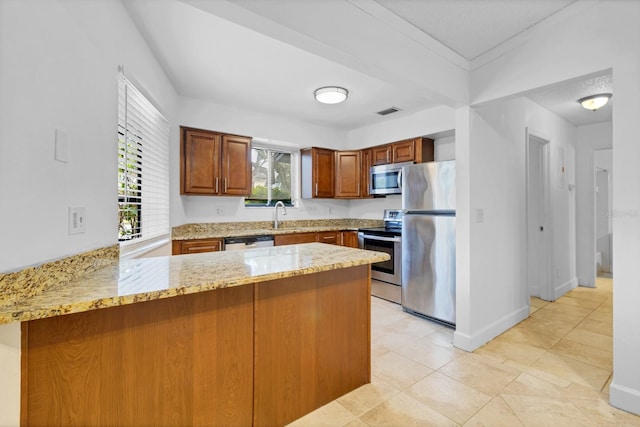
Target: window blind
[(143, 167)]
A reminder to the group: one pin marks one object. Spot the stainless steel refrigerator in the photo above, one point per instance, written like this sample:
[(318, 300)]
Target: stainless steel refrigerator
[(429, 240)]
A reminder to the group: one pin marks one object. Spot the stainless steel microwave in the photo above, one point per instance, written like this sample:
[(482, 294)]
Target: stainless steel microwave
[(386, 179)]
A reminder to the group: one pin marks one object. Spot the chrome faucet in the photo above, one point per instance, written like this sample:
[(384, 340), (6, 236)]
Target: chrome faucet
[(276, 223)]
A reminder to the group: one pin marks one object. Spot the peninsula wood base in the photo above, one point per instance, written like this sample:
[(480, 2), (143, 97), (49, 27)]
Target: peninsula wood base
[(262, 354)]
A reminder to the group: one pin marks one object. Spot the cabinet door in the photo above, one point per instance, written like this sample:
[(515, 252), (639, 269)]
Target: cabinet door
[(199, 162), (323, 172), (365, 173), (404, 151), (294, 239), (350, 239), (329, 237), (195, 246), (381, 155), (236, 165), (348, 174)]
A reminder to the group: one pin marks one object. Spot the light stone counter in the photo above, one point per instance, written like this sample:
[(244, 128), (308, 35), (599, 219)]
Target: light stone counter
[(149, 279)]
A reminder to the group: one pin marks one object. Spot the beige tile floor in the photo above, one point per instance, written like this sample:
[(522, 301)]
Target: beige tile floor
[(552, 369)]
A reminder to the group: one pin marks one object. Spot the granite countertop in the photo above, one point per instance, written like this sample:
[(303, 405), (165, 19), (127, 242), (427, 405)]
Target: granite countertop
[(259, 228), (147, 279)]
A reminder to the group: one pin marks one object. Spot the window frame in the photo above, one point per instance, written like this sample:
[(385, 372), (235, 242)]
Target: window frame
[(140, 121), (295, 168)]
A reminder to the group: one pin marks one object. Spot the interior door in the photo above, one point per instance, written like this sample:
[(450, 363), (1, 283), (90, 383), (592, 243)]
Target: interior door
[(537, 265)]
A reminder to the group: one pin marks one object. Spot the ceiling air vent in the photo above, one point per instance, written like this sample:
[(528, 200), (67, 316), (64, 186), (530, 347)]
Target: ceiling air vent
[(388, 111)]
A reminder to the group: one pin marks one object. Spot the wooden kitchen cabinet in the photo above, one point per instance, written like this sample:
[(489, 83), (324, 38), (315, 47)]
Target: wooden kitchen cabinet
[(364, 173), (418, 150), (350, 239), (236, 165), (381, 155), (348, 174), (294, 238), (214, 164), (317, 173), (329, 237), (194, 246)]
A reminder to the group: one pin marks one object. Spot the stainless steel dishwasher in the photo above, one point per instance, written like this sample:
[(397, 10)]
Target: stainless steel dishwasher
[(247, 242)]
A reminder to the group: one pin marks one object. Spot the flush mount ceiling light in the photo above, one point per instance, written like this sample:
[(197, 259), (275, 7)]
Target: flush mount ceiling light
[(331, 94), (593, 102)]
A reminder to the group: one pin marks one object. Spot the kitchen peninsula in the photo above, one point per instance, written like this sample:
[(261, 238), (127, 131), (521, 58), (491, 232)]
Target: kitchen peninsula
[(256, 337)]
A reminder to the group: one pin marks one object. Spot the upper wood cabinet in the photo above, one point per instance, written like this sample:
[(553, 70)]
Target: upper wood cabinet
[(418, 150), (348, 174), (364, 173), (317, 173), (212, 163), (236, 165), (381, 155)]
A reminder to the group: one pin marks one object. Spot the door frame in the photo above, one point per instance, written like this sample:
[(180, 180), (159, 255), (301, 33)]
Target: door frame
[(546, 291), (594, 263)]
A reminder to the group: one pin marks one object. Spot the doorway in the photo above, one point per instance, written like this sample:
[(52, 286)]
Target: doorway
[(538, 214), (603, 227)]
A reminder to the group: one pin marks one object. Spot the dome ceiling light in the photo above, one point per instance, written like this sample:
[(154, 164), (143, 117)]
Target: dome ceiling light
[(331, 94), (593, 102)]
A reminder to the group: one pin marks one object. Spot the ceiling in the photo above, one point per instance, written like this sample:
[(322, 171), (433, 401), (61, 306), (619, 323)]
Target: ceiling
[(270, 55)]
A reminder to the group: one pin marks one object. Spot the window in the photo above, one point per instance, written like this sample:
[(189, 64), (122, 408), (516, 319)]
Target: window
[(143, 167), (272, 177)]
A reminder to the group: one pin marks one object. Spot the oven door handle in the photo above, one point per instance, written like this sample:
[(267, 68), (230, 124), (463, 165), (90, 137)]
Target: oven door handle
[(382, 238)]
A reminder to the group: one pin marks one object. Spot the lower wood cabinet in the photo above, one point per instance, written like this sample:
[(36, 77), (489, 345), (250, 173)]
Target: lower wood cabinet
[(294, 238), (330, 237), (262, 354), (350, 239), (194, 246)]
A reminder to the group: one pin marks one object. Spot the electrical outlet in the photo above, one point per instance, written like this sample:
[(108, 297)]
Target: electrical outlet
[(219, 210), (77, 220), (479, 215)]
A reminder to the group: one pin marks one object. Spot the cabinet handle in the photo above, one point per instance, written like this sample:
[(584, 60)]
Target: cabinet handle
[(316, 188), (225, 185), (216, 184), (358, 188)]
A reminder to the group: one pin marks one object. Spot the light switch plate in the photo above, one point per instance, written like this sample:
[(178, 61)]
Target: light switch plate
[(479, 215), (77, 220), (62, 146)]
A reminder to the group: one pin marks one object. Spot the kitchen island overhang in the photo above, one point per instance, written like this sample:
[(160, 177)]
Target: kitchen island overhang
[(256, 337)]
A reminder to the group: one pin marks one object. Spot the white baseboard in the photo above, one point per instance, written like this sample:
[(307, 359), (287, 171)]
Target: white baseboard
[(471, 342), (624, 398), (564, 288)]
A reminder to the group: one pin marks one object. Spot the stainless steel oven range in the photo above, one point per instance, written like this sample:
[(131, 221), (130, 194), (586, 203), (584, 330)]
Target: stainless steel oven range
[(386, 276)]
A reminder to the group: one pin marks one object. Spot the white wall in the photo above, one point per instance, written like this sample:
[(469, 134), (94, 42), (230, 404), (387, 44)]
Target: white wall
[(58, 70), (562, 135), (422, 123), (590, 138), (497, 281), (444, 148), (566, 48)]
